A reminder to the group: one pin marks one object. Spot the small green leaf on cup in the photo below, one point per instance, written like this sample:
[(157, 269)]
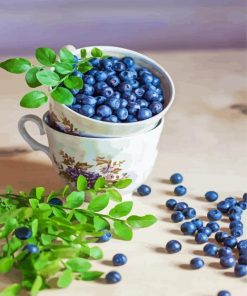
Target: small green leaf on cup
[(141, 221), (46, 56), (81, 183), (100, 183), (62, 95), (47, 77), (73, 82), (122, 183), (83, 53), (96, 52), (84, 67), (33, 99), (16, 65), (66, 55), (31, 78)]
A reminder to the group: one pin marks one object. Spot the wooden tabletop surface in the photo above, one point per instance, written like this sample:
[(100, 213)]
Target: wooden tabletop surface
[(204, 138)]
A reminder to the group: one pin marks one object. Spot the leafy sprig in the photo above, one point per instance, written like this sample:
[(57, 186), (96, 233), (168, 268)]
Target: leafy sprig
[(63, 234), (54, 71)]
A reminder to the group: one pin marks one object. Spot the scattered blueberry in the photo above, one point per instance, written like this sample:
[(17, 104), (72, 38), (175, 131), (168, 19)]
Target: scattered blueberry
[(144, 190), (188, 228), (224, 293), (243, 205), (227, 261), (237, 231), (210, 249), (211, 196), (242, 259), (198, 223), (230, 242), (225, 251), (242, 247), (31, 248), (176, 178), (240, 270), (231, 200), (177, 216), (235, 210), (189, 213), (119, 259), (220, 236), (206, 230), (234, 217), (214, 215), (55, 201), (224, 206), (105, 237), (180, 206), (113, 277), (171, 203), (23, 233), (201, 238), (173, 246), (180, 190), (236, 224), (214, 226), (196, 263)]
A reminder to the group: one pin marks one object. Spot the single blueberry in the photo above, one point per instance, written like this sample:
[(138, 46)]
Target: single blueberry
[(227, 261), (236, 224), (113, 277), (131, 118), (242, 247), (131, 97), (235, 217), (122, 113), (242, 259), (224, 293), (237, 231), (124, 87), (188, 228), (206, 230), (211, 196), (111, 118), (89, 79), (114, 60), (133, 108), (99, 86), (123, 103), (100, 76), (177, 216), (77, 74), (74, 91), (214, 215), (95, 62), (89, 100), (144, 190), (173, 246), (118, 66), (139, 92), (243, 205), (156, 107), (113, 81), (225, 251), (126, 76), (210, 249), (235, 210), (231, 200), (142, 103), (220, 236), (128, 61), (87, 110), (113, 103), (55, 201), (143, 71), (107, 92), (198, 223), (88, 89), (151, 95), (189, 213), (171, 203), (76, 107), (230, 242), (176, 178), (23, 233), (134, 84), (107, 64), (223, 206), (201, 238), (119, 259), (105, 237), (180, 190), (196, 263), (180, 206), (144, 113), (156, 81), (147, 78), (214, 226), (31, 248), (92, 71), (100, 100), (96, 117), (116, 95), (240, 270), (104, 111)]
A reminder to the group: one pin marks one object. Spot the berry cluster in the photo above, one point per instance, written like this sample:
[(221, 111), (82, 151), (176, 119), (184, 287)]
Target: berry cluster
[(118, 90)]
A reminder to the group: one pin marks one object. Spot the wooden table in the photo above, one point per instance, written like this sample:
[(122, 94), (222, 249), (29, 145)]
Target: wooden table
[(205, 138)]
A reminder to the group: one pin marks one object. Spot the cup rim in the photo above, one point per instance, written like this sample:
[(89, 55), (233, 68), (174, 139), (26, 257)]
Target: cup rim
[(138, 123), (46, 114)]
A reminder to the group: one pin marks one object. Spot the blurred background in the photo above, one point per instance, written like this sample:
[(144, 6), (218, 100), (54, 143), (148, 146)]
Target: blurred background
[(135, 24)]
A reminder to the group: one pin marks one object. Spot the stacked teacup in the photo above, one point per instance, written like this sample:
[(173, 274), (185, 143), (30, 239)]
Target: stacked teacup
[(84, 143)]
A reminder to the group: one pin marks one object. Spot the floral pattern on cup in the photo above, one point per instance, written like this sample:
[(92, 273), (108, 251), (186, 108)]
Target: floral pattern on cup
[(70, 169)]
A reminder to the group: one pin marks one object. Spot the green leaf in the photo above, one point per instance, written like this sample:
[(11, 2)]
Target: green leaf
[(37, 285), (47, 77), (31, 78), (78, 264), (121, 210), (62, 95), (5, 264), (46, 239), (46, 56), (122, 230), (13, 245), (33, 203), (100, 223), (73, 82), (99, 203), (96, 253), (65, 278), (58, 212), (66, 55), (17, 65), (12, 290), (96, 52), (10, 225), (114, 195), (141, 221), (75, 199), (122, 183), (84, 67), (83, 53), (91, 275), (33, 99), (80, 217), (81, 183), (35, 225), (39, 192), (64, 68), (100, 183)]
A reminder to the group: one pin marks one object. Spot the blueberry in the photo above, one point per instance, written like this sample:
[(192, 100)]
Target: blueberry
[(104, 111), (144, 113), (151, 95), (89, 100), (87, 110), (244, 197), (210, 249), (111, 73), (236, 224), (150, 87), (156, 81), (160, 99), (206, 230), (124, 87), (231, 200), (144, 190), (96, 117), (122, 113), (74, 91), (76, 107), (224, 293), (113, 277), (77, 74), (242, 247), (198, 223), (143, 71), (107, 92), (114, 60), (129, 62), (133, 108), (131, 118), (126, 76), (173, 246), (92, 72), (235, 210), (113, 81), (106, 64), (214, 226), (223, 206), (176, 178), (230, 242), (76, 59), (105, 237), (95, 62), (225, 251), (80, 97), (234, 217), (188, 228), (100, 100), (220, 236), (214, 215), (118, 66), (134, 84), (116, 95), (119, 259), (196, 263), (131, 97), (88, 89), (227, 261), (139, 92), (180, 190), (189, 213), (99, 86), (171, 203), (142, 103), (89, 79), (237, 231), (240, 270), (243, 205), (123, 103), (147, 78), (201, 238), (23, 233), (113, 103), (111, 118), (31, 248), (177, 216), (100, 76), (156, 107), (55, 201), (180, 206), (242, 259), (211, 196)]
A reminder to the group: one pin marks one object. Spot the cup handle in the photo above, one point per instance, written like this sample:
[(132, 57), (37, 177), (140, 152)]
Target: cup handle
[(36, 146)]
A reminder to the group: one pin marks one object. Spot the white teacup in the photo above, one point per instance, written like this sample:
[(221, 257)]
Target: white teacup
[(74, 123), (113, 158)]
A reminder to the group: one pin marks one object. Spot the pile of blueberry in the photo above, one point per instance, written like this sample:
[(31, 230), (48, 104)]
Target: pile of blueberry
[(226, 243), (118, 90)]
